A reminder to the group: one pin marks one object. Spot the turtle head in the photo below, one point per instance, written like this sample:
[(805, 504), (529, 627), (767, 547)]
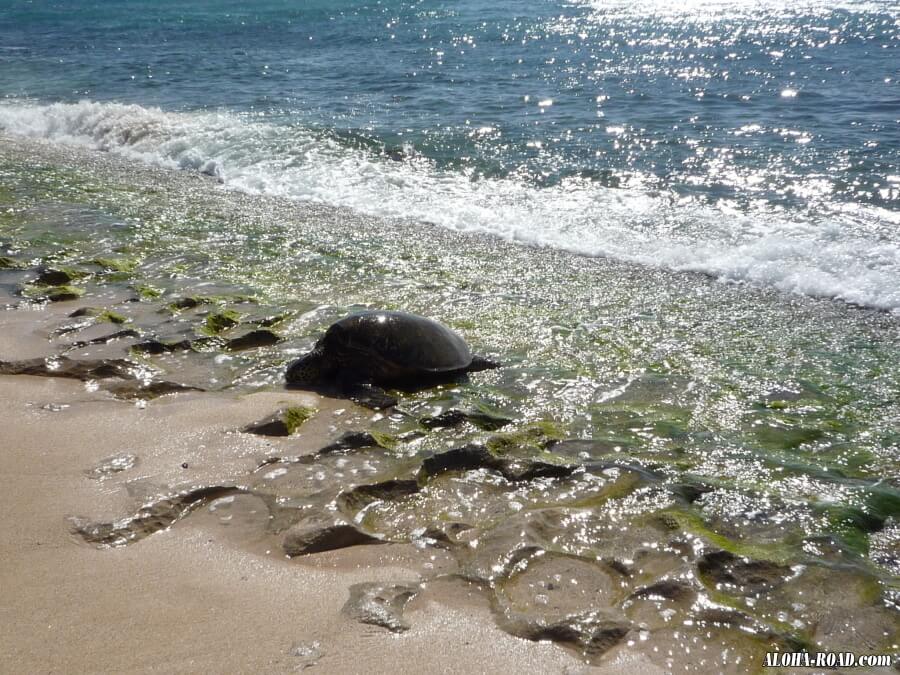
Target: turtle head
[(310, 370)]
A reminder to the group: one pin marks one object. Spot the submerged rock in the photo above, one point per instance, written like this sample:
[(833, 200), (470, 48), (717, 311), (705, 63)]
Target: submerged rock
[(591, 634), (351, 440), (452, 418), (151, 518), (324, 532), (62, 366), (124, 374), (111, 465), (103, 339), (728, 571), (359, 497), (59, 293), (154, 346), (381, 604), (472, 457), (57, 277)]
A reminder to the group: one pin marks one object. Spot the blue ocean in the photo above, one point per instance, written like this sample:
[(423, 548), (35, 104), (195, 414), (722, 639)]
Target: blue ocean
[(752, 141)]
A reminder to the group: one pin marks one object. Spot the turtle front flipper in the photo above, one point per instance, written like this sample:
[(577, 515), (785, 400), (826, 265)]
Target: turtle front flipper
[(370, 396)]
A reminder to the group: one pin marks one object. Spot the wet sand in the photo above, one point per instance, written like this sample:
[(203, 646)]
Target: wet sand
[(193, 598)]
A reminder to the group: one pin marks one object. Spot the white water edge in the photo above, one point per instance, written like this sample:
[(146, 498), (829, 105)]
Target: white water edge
[(848, 252)]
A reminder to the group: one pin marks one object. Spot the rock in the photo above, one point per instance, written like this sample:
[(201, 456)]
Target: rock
[(283, 423), (667, 589), (62, 366), (159, 347), (7, 263), (728, 571), (63, 293), (357, 498), (472, 457), (454, 417), (102, 340), (111, 465), (85, 311), (591, 633), (350, 440), (151, 518), (218, 322), (57, 277), (381, 604), (136, 389), (253, 340), (324, 533)]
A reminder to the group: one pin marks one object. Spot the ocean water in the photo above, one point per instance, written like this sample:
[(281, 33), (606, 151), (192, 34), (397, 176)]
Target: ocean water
[(751, 141), (568, 185)]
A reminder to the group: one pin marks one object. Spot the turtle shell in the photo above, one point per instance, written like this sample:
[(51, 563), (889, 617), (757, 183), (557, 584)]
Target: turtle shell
[(406, 341)]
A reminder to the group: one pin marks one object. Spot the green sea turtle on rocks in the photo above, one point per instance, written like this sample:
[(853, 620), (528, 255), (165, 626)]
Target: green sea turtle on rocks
[(366, 351)]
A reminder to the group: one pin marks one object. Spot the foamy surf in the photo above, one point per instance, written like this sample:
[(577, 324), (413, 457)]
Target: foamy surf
[(851, 254)]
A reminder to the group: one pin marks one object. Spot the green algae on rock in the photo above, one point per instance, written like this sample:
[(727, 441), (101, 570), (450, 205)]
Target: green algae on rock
[(285, 422)]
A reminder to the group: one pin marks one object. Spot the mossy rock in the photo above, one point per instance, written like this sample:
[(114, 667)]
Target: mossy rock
[(535, 437), (219, 322), (147, 292), (109, 316), (786, 438), (58, 276), (115, 264), (61, 293), (7, 263), (675, 519)]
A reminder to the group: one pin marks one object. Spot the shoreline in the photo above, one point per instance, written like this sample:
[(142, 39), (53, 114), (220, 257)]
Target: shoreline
[(226, 575)]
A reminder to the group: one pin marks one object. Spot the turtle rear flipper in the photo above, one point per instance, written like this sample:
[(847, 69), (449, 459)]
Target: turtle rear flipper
[(370, 396), (482, 363)]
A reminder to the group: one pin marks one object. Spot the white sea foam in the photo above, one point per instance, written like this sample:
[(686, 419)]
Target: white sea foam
[(850, 252)]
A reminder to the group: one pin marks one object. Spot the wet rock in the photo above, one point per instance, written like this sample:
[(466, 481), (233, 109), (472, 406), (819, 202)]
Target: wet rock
[(62, 366), (156, 347), (57, 277), (591, 634), (103, 339), (357, 498), (455, 417), (283, 423), (472, 457), (372, 398), (728, 571), (666, 589), (444, 534), (7, 263), (62, 293), (111, 465), (253, 340), (136, 389), (324, 532), (381, 604), (189, 302), (350, 440), (219, 322), (151, 518), (85, 311)]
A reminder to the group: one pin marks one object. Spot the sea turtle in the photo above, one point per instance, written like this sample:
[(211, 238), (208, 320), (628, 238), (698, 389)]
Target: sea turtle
[(368, 350)]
